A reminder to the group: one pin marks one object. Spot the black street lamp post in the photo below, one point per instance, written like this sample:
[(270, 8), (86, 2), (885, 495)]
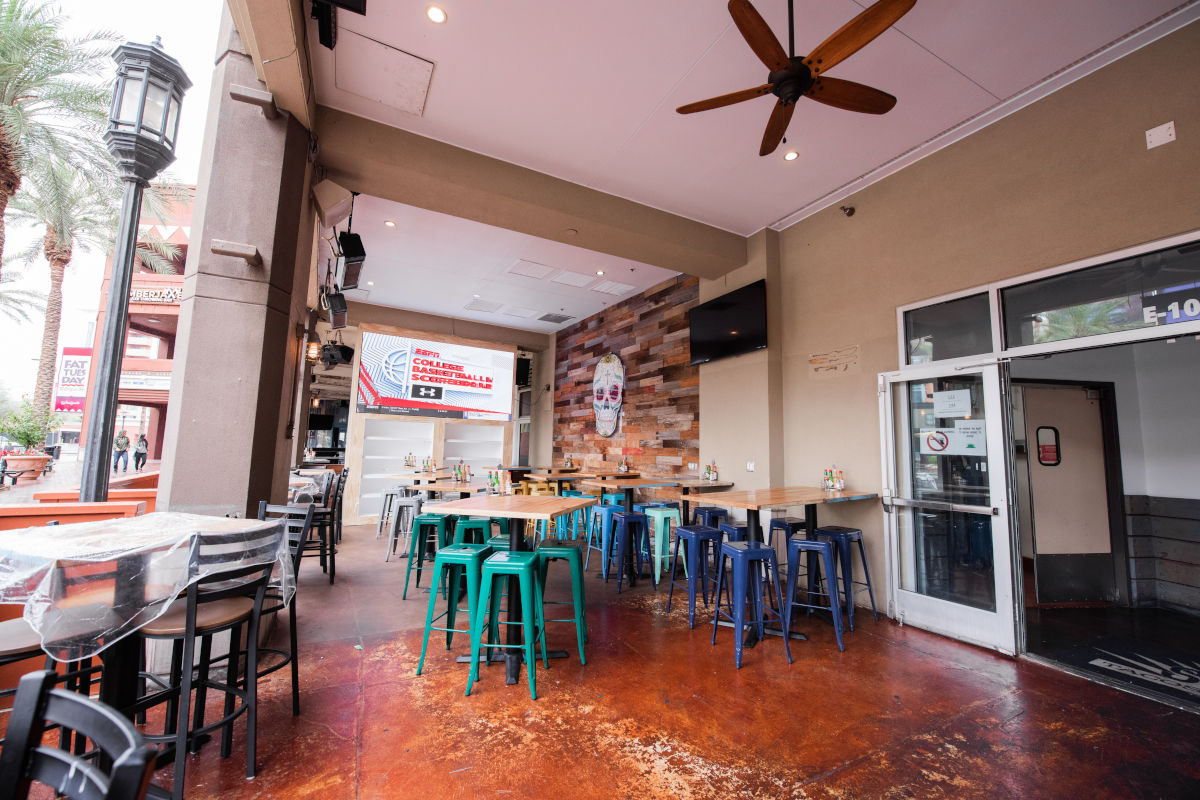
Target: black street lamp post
[(142, 126)]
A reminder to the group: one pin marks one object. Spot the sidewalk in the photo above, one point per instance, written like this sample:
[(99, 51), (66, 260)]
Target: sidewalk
[(66, 475)]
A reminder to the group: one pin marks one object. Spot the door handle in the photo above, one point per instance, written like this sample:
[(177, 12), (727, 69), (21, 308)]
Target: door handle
[(941, 505)]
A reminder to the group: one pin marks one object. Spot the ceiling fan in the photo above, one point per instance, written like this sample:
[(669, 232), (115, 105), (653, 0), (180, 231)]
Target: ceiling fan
[(792, 77)]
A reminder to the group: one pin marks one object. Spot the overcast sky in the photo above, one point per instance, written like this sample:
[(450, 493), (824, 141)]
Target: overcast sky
[(189, 34)]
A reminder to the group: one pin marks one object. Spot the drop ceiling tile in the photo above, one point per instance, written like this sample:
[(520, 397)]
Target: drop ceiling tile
[(520, 311), (573, 279), (613, 287), (531, 269)]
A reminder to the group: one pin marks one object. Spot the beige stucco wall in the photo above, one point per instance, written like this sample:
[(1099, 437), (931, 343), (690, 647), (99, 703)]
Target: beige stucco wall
[(1064, 179)]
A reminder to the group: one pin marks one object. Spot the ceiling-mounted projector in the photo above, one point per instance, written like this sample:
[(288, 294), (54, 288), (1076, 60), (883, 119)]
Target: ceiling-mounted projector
[(334, 354)]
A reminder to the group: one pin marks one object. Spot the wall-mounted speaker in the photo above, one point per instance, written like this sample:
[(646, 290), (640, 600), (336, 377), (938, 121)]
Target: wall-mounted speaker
[(524, 372), (333, 202)]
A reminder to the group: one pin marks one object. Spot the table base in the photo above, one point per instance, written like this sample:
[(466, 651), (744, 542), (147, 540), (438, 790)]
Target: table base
[(512, 662)]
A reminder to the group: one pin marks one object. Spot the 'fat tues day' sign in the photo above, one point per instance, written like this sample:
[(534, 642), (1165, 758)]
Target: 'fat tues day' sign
[(966, 438)]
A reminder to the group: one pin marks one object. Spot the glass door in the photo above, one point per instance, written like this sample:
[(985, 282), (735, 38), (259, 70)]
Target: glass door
[(946, 494)]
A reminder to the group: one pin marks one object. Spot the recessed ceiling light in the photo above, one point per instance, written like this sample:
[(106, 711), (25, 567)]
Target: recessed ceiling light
[(370, 283), (790, 155), (474, 295), (389, 223), (436, 14), (599, 272), (151, 319)]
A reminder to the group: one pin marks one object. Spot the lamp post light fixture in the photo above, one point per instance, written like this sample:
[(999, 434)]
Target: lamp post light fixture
[(142, 125)]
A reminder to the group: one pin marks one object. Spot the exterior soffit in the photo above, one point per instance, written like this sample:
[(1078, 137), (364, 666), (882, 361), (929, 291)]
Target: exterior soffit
[(273, 33)]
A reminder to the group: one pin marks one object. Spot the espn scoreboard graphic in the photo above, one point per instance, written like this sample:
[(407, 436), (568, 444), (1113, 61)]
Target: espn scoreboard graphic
[(400, 375)]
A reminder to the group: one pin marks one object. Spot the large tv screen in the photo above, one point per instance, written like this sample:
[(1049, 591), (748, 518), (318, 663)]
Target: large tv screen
[(729, 325), (400, 375)]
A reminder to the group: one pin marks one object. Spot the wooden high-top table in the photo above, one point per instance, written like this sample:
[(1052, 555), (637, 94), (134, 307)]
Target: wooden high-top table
[(514, 508), (688, 488), (464, 488), (558, 478), (755, 500)]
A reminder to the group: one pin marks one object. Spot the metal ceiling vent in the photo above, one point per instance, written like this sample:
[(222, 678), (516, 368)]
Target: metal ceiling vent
[(555, 319), (483, 305), (378, 72)]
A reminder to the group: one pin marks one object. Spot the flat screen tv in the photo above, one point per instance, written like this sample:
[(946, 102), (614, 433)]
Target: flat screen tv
[(400, 375), (320, 422), (729, 325)]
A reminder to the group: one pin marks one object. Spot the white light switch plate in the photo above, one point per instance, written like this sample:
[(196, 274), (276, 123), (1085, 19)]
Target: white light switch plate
[(749, 466), (1160, 135)]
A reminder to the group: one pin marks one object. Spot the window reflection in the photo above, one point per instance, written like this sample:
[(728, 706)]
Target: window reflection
[(1145, 291)]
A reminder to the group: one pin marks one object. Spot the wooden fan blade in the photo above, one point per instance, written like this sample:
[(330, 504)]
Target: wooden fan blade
[(852, 36), (725, 99), (781, 115), (851, 96), (758, 35)]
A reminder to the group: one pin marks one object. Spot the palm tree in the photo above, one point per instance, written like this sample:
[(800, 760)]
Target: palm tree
[(17, 303), (77, 212), (47, 104)]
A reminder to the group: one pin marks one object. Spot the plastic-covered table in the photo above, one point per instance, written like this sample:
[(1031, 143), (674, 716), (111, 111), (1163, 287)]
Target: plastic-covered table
[(86, 587)]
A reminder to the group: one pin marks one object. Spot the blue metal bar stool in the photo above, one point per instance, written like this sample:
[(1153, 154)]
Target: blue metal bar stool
[(733, 533), (786, 525), (599, 535), (751, 564), (631, 531), (709, 516), (843, 538), (701, 541), (816, 588)]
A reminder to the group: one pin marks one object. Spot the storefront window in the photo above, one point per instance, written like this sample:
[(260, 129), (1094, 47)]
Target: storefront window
[(1145, 291), (952, 329)]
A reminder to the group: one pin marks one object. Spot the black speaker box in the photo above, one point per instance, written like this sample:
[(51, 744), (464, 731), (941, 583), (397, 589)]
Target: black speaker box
[(524, 372)]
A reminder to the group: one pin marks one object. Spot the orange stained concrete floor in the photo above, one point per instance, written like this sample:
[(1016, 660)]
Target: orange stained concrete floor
[(659, 712)]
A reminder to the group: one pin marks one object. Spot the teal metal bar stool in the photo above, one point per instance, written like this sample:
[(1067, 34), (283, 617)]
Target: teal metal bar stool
[(457, 561), (574, 559), (499, 567), (477, 531), (661, 518), (430, 533)]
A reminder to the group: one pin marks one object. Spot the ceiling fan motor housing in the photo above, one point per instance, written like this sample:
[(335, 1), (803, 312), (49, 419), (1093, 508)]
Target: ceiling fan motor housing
[(789, 84)]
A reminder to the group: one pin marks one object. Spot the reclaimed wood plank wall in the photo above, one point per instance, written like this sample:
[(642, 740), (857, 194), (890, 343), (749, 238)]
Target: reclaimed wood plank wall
[(659, 428)]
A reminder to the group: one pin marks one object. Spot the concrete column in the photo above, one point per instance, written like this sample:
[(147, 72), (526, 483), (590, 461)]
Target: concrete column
[(226, 438)]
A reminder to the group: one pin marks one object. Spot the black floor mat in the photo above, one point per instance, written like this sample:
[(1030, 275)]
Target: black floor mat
[(1151, 649)]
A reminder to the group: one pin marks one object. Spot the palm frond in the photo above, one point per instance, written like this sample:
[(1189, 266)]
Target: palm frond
[(21, 305)]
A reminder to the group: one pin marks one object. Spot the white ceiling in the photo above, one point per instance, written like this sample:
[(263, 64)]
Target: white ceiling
[(587, 92), (439, 264)]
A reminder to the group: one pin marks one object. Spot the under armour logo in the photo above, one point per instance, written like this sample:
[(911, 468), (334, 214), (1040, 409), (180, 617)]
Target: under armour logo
[(427, 392)]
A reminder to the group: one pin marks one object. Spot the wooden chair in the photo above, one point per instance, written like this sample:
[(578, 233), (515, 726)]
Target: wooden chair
[(25, 758)]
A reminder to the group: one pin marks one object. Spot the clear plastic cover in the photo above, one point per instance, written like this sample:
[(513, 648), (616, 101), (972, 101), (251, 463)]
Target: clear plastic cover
[(89, 584)]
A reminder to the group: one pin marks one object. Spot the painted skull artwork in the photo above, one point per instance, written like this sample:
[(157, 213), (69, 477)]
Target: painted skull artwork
[(608, 388)]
